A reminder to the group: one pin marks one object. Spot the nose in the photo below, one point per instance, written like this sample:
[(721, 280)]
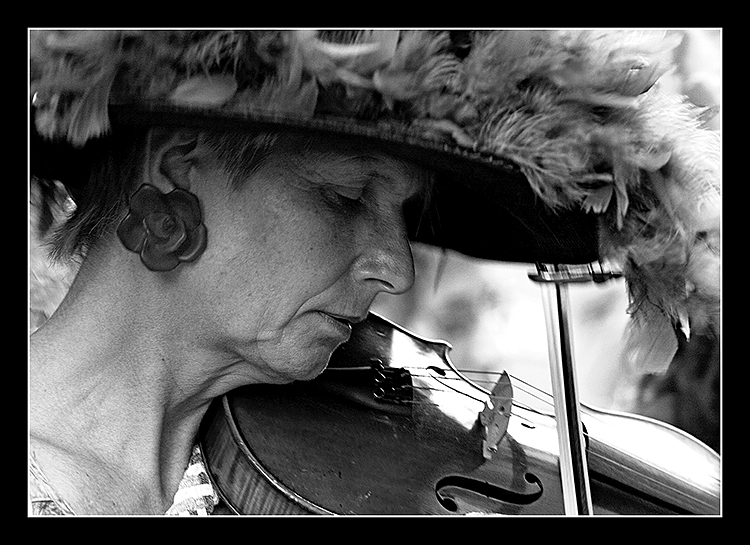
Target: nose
[(386, 260)]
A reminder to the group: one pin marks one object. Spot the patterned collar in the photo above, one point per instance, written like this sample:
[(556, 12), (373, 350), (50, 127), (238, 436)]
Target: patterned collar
[(195, 493)]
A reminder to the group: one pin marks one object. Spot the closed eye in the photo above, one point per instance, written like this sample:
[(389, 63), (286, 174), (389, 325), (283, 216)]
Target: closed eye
[(344, 193), (350, 193)]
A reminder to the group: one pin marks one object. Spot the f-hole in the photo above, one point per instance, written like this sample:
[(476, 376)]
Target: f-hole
[(452, 486)]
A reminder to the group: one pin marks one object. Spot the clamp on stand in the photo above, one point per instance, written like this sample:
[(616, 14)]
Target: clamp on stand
[(554, 280)]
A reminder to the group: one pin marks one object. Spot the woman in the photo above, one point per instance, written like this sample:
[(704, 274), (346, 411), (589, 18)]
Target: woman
[(264, 291), (243, 196)]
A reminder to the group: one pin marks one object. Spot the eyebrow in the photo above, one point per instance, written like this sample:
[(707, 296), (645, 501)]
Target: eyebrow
[(362, 165), (388, 169)]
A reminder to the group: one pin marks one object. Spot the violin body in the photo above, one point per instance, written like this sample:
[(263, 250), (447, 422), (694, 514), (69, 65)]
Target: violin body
[(392, 428)]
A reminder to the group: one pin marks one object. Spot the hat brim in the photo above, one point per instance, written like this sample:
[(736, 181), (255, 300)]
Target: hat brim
[(481, 207)]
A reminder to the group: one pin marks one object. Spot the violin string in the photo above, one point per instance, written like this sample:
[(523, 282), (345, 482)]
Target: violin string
[(530, 390), (491, 397), (527, 388), (433, 404)]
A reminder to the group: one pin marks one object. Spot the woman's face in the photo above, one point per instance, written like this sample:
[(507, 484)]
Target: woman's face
[(300, 251)]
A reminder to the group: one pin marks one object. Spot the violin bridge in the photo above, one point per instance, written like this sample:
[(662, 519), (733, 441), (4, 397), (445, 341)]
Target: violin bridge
[(495, 415)]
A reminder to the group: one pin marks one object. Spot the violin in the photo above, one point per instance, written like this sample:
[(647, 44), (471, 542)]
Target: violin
[(392, 427)]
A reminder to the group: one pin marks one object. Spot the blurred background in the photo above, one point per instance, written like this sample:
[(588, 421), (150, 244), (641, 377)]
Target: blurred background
[(492, 314)]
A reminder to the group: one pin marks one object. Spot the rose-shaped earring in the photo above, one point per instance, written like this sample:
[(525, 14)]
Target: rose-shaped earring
[(165, 229)]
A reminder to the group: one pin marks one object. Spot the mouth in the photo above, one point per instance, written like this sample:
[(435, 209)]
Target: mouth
[(343, 323), (348, 319)]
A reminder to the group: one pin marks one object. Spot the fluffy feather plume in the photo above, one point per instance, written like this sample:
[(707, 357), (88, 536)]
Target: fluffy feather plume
[(351, 57), (420, 64), (76, 80), (581, 112), (558, 168), (499, 61), (619, 68)]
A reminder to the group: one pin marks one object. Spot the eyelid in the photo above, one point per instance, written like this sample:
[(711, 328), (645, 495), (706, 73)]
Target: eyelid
[(352, 189), (351, 193)]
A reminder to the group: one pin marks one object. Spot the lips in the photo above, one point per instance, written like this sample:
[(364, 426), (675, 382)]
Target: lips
[(348, 319), (343, 322)]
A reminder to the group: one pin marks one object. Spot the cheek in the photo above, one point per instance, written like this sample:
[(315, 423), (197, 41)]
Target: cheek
[(280, 250), (305, 239)]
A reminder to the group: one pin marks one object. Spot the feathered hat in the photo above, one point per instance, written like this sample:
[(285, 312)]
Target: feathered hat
[(553, 146)]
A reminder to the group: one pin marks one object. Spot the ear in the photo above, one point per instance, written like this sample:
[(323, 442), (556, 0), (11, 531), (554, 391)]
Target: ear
[(170, 158)]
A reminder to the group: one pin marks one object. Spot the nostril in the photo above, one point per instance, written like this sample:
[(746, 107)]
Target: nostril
[(391, 273)]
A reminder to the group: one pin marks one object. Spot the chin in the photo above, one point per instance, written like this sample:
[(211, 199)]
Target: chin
[(313, 372), (306, 368)]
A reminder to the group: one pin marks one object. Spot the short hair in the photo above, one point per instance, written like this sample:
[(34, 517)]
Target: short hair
[(240, 153), (99, 184), (107, 171)]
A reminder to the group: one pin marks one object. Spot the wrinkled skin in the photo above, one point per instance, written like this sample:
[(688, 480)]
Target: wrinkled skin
[(302, 248)]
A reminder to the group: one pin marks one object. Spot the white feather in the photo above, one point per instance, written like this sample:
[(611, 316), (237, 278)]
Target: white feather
[(651, 343)]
